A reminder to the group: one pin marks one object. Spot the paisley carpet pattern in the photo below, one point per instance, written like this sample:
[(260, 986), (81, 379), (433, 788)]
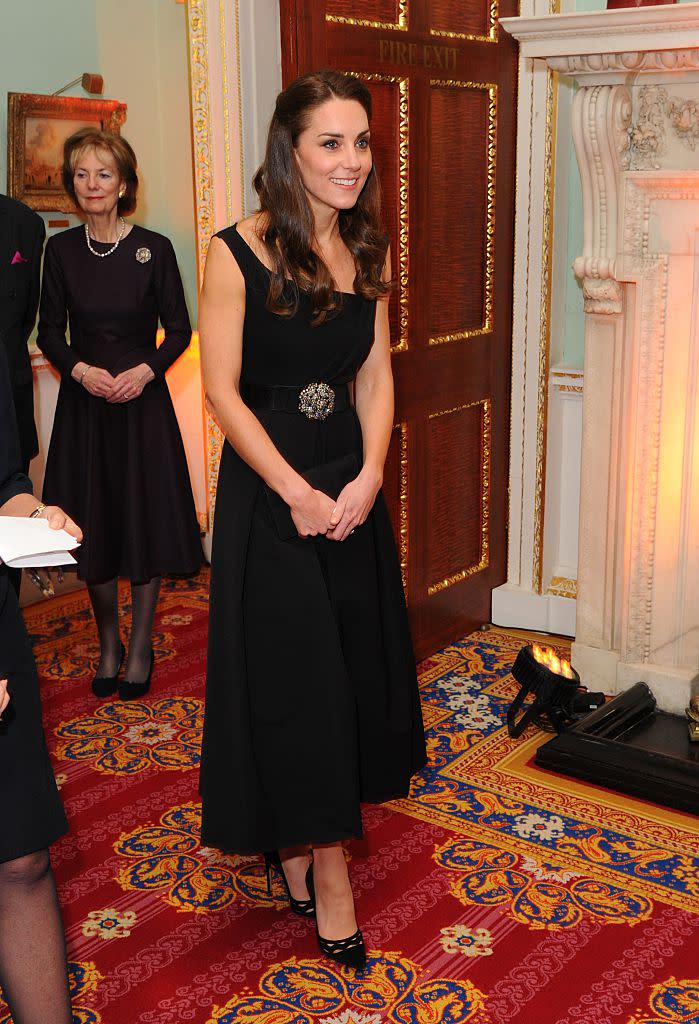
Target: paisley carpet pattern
[(496, 892)]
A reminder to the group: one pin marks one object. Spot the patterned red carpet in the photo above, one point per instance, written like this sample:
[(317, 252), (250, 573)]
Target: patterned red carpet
[(496, 893)]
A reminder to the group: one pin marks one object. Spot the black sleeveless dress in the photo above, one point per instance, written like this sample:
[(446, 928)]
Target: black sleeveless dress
[(32, 813), (312, 703)]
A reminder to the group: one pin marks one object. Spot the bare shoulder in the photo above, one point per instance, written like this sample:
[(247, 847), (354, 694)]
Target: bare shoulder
[(252, 230), (222, 275)]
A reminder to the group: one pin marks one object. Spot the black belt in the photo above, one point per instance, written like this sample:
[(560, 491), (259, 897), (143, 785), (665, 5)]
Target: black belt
[(316, 401)]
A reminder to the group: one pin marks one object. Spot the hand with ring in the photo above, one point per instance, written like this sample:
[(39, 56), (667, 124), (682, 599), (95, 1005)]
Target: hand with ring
[(130, 383), (94, 379)]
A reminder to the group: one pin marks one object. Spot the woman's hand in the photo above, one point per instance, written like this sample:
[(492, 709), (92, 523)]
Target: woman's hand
[(4, 696), (354, 504), (94, 379), (313, 513), (130, 383), (58, 520)]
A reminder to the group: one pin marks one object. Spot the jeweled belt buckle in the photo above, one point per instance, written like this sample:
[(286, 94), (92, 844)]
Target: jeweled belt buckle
[(317, 401)]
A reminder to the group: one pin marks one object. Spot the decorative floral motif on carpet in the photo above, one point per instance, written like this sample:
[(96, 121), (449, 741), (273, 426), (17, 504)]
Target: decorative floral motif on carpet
[(109, 923), (470, 942), (555, 899), (126, 738), (167, 859), (672, 1002), (306, 992)]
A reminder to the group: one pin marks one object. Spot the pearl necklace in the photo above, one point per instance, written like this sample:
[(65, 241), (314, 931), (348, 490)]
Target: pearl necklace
[(109, 251)]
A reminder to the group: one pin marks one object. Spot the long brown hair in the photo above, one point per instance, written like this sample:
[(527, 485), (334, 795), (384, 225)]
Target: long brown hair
[(287, 225)]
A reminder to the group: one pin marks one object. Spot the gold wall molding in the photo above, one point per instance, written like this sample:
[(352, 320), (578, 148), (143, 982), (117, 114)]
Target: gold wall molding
[(487, 325), (561, 586), (214, 434), (490, 37), (201, 126), (401, 24), (226, 106), (213, 35), (236, 7), (462, 574), (545, 329)]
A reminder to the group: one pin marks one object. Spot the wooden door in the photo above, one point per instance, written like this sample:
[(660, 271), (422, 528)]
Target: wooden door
[(443, 81)]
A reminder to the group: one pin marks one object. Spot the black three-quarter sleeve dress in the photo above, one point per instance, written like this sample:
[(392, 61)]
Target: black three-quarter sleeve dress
[(312, 702), (119, 470), (31, 813)]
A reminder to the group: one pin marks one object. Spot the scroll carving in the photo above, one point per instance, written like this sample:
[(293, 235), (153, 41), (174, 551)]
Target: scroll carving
[(601, 119), (649, 60)]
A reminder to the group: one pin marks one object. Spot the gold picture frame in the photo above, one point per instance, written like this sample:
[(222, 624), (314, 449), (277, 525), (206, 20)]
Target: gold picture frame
[(37, 127)]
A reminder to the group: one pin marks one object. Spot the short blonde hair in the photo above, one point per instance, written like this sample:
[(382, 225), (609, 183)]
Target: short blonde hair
[(120, 151)]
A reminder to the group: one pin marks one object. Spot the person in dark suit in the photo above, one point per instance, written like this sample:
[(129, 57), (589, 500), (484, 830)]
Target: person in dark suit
[(22, 235), (33, 968)]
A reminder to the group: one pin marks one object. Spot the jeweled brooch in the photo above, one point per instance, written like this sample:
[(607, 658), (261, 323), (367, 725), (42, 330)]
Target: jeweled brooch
[(143, 254), (317, 401)]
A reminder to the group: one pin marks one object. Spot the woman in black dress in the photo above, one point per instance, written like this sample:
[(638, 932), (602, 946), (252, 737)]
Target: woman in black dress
[(312, 703), (116, 460), (33, 969)]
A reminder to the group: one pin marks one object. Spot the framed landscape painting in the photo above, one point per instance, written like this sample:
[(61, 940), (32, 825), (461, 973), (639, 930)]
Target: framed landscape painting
[(37, 127)]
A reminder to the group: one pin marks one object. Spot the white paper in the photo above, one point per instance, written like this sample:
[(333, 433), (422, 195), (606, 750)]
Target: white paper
[(31, 543)]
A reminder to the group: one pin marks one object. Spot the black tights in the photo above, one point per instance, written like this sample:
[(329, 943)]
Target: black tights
[(33, 969), (105, 605)]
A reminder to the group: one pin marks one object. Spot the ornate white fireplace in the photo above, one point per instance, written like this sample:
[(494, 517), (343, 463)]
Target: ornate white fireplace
[(635, 125)]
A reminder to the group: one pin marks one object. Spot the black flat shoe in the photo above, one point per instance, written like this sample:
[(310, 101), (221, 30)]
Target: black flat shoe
[(304, 908), (105, 686), (349, 952), (129, 690)]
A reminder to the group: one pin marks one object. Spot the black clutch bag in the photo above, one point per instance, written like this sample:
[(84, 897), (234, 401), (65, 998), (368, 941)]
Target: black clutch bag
[(330, 478)]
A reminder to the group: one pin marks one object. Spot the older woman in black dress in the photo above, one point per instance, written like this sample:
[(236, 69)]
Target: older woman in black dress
[(311, 703), (116, 460), (33, 970)]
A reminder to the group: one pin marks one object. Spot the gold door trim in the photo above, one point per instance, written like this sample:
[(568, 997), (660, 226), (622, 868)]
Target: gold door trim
[(562, 586), (198, 55), (490, 37), (223, 4), (214, 434), (487, 325), (403, 198), (201, 126), (545, 329), (401, 24), (457, 577), (403, 545)]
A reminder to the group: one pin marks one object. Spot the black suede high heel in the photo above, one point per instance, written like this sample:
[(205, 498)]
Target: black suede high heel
[(105, 686), (349, 952), (304, 908), (129, 690)]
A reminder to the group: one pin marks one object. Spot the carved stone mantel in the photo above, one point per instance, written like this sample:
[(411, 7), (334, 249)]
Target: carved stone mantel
[(629, 34), (635, 126)]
